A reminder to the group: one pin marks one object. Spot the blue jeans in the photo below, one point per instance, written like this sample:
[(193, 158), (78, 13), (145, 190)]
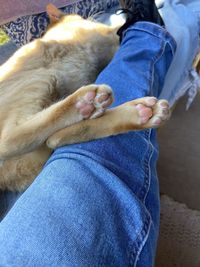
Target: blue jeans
[(97, 203)]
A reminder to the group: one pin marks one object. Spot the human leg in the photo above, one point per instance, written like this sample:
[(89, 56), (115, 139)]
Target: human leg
[(95, 204)]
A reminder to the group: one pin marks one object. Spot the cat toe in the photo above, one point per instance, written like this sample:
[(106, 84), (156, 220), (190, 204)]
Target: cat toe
[(144, 112), (152, 112), (161, 113), (85, 108), (101, 102), (95, 101)]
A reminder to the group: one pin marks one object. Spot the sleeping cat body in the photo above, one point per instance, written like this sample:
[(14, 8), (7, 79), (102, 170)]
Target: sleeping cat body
[(46, 96)]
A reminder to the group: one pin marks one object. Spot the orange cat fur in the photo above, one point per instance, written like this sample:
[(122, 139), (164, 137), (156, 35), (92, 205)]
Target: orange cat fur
[(46, 93)]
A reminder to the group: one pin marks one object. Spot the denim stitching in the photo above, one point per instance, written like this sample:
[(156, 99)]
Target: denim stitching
[(149, 153), (147, 134), (136, 247)]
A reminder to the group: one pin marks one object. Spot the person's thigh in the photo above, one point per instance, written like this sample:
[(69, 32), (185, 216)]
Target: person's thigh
[(97, 203)]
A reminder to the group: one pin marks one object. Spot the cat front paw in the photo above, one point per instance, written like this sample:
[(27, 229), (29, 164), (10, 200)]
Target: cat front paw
[(94, 100), (153, 112), (161, 113), (145, 108)]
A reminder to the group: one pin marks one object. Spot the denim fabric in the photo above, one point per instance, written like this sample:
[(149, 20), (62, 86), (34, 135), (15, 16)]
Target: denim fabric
[(7, 200), (97, 203), (182, 20)]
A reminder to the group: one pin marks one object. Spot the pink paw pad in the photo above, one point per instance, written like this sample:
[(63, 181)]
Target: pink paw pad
[(144, 112), (93, 104)]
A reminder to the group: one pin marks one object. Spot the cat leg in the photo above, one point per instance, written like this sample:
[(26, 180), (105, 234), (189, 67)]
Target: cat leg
[(139, 114), (17, 173), (88, 101)]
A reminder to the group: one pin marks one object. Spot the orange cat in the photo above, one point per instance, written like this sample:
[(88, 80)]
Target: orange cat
[(46, 96)]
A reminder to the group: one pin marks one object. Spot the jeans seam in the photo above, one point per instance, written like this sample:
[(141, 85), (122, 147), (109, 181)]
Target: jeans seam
[(149, 153), (147, 158), (137, 246), (147, 175), (153, 63)]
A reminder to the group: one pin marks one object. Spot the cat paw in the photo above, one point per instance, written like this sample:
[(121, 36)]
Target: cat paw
[(94, 101), (152, 112), (145, 109), (161, 113)]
